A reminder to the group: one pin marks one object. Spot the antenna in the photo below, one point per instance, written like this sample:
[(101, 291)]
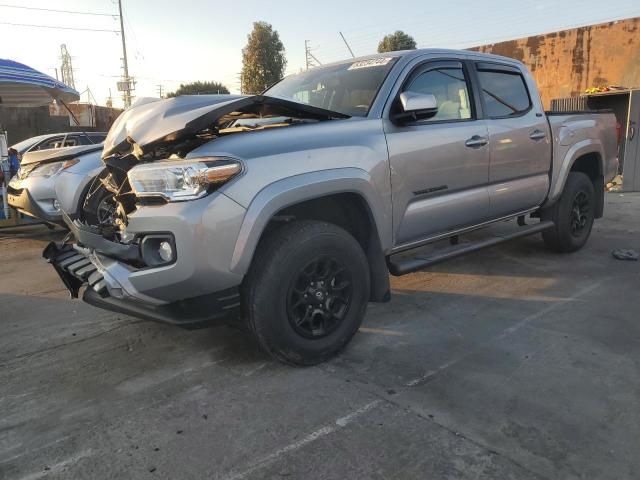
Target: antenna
[(345, 42)]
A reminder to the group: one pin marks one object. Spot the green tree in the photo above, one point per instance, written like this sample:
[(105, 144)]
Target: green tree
[(396, 41), (199, 88), (263, 59)]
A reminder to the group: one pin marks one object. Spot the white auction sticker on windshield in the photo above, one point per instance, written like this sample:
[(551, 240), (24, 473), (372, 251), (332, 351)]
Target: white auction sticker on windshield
[(372, 62)]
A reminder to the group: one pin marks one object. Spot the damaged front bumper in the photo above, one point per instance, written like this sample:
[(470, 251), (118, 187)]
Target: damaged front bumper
[(78, 267), (116, 278), (22, 200)]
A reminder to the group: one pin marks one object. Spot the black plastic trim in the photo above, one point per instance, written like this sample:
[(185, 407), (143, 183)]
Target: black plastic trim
[(192, 313), (402, 266), (86, 238)]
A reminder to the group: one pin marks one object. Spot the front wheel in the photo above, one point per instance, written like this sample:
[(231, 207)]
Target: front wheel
[(97, 207), (572, 214), (306, 292)]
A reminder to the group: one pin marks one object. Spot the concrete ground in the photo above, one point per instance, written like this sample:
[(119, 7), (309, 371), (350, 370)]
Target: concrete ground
[(511, 363)]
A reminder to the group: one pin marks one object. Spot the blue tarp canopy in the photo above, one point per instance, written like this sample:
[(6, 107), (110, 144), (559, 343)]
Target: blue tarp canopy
[(23, 86)]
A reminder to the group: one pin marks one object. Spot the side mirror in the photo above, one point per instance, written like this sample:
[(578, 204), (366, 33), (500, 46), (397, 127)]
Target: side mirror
[(416, 106)]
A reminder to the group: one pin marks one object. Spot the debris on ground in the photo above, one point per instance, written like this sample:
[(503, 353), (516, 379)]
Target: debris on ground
[(615, 185), (625, 254)]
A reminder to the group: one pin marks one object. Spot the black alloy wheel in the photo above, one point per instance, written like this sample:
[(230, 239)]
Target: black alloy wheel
[(572, 215), (580, 211), (319, 298), (306, 292)]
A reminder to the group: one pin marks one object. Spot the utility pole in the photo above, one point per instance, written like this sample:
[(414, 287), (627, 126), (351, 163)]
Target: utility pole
[(306, 53), (160, 91), (126, 81), (66, 69), (311, 60), (345, 42)]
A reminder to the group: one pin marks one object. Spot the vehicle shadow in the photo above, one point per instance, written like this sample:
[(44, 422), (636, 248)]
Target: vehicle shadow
[(34, 232)]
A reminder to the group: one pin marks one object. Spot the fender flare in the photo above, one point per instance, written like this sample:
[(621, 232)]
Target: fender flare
[(579, 149), (299, 188)]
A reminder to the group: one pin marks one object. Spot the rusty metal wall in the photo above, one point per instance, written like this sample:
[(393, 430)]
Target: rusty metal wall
[(566, 63), (98, 117)]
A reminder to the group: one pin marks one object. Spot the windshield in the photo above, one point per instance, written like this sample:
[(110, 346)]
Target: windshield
[(348, 88), (24, 145)]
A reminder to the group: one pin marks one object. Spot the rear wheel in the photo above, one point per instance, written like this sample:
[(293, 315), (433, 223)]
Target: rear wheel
[(307, 292), (572, 214)]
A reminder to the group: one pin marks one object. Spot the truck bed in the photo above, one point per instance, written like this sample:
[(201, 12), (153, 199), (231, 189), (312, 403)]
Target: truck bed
[(570, 129)]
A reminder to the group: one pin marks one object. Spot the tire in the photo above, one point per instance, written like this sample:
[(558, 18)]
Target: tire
[(97, 206), (572, 214), (291, 262)]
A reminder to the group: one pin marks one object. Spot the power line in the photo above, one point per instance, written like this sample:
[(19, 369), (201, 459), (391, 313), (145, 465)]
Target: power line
[(58, 11), (58, 28), (367, 42)]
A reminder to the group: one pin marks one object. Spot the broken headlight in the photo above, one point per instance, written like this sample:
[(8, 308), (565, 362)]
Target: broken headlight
[(50, 169), (180, 180)]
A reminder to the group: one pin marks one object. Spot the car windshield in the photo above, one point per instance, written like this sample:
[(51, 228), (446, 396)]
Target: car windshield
[(348, 88), (24, 145)]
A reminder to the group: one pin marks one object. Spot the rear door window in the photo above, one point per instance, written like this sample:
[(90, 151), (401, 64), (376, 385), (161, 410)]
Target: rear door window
[(504, 93), (71, 141), (53, 142), (91, 139)]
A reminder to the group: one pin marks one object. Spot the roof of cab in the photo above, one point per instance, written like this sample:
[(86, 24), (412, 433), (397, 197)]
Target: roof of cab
[(425, 51)]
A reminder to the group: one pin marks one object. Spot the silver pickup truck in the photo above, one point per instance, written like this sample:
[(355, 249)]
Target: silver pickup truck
[(292, 207)]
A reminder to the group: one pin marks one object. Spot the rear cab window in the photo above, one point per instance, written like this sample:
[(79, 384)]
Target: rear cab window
[(503, 90)]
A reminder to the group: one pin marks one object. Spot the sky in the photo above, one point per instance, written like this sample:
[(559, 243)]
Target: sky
[(173, 42)]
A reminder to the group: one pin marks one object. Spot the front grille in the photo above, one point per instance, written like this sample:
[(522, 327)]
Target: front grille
[(75, 269)]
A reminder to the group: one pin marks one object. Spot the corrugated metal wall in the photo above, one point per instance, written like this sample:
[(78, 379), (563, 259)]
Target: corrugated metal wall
[(566, 63), (569, 104)]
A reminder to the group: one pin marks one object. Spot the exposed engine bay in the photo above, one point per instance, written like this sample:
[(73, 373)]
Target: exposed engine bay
[(168, 130)]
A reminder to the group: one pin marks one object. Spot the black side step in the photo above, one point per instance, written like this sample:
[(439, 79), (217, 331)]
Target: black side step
[(402, 266)]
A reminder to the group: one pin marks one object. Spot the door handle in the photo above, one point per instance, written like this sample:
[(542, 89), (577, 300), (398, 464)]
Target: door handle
[(476, 141), (632, 130), (537, 135)]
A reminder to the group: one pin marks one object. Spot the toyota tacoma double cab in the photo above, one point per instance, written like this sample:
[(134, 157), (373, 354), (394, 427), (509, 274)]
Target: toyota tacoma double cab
[(290, 208)]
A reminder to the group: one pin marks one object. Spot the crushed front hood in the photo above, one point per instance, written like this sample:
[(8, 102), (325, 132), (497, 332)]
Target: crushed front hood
[(58, 154), (174, 119)]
